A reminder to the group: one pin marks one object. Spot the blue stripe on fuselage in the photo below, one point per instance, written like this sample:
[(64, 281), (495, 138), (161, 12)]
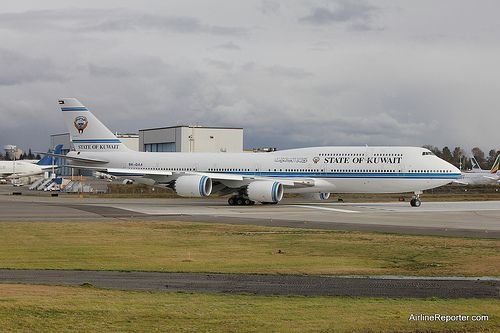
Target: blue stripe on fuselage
[(97, 141), (75, 108), (396, 175)]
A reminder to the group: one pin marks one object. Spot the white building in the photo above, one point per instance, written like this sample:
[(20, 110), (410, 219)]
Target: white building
[(191, 139)]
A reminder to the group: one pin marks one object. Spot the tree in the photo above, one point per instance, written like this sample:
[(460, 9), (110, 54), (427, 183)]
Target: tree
[(30, 155), (446, 154), (457, 155), (491, 157)]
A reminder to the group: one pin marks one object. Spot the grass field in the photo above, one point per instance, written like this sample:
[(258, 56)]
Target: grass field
[(55, 309), (196, 247)]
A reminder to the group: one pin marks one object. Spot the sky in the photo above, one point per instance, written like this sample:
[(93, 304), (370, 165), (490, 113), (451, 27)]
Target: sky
[(292, 73)]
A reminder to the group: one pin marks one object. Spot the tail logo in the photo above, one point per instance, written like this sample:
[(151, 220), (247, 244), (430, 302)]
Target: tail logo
[(80, 123), (496, 165)]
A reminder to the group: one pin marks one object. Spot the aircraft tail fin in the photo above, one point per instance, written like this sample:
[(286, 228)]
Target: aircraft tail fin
[(475, 165), (86, 132), (496, 165), (49, 160)]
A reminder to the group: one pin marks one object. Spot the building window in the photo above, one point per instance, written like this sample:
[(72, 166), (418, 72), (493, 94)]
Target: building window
[(160, 147)]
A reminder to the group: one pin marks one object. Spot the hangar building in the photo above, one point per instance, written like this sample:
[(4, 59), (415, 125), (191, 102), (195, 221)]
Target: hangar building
[(188, 139)]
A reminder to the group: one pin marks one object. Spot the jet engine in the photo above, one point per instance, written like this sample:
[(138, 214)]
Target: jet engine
[(265, 191), (316, 196), (193, 186)]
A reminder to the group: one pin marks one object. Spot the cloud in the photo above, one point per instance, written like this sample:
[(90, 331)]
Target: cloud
[(290, 72), (18, 69), (357, 12), (107, 71), (268, 7), (221, 65), (228, 46), (109, 20)]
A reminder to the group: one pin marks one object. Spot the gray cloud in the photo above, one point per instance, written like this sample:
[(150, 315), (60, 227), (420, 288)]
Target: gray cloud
[(108, 20), (268, 7), (169, 64), (228, 46), (108, 71), (291, 72), (18, 68), (358, 12)]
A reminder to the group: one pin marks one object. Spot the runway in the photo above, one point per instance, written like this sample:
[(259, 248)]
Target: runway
[(262, 284), (465, 219)]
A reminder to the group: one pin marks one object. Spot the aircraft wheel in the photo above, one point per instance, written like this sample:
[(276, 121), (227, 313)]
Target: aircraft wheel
[(247, 202), (415, 202), (239, 201), (231, 201)]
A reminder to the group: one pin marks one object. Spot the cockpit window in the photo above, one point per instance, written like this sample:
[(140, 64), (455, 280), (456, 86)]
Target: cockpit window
[(427, 153)]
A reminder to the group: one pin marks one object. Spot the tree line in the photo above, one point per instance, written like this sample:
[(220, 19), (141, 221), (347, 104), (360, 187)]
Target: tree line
[(458, 157), (24, 156)]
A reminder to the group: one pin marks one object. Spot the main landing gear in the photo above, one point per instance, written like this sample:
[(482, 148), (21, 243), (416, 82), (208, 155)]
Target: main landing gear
[(239, 201), (415, 200)]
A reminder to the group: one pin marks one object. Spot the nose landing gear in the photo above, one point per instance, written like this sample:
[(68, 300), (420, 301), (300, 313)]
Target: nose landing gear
[(415, 200)]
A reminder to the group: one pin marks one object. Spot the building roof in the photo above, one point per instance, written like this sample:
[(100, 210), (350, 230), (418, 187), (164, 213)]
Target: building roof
[(189, 126)]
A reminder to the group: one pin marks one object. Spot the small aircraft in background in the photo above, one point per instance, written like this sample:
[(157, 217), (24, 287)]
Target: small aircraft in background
[(478, 176), (10, 170)]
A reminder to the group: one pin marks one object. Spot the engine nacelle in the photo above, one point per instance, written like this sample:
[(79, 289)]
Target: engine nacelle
[(193, 186), (265, 191), (316, 196)]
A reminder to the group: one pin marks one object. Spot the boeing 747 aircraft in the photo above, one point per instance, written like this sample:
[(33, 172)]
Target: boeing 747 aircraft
[(257, 177)]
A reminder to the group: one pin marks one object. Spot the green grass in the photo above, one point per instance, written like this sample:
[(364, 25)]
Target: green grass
[(55, 309), (196, 247)]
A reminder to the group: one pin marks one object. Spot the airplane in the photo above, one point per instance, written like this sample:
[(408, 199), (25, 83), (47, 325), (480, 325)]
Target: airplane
[(478, 176), (21, 168), (256, 177)]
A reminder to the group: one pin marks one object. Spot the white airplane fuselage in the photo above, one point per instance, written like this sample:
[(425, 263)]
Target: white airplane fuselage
[(322, 169), (481, 177), (19, 169)]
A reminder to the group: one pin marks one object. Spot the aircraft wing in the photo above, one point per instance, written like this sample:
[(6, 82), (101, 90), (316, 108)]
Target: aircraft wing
[(76, 159), (232, 180), (460, 182), (123, 172), (292, 182)]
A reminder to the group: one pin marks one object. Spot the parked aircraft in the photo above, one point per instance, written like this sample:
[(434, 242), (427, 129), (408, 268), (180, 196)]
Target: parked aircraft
[(263, 177), (478, 176), (21, 168)]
